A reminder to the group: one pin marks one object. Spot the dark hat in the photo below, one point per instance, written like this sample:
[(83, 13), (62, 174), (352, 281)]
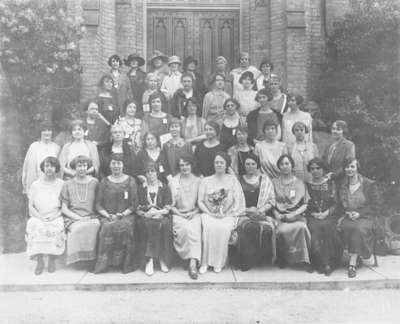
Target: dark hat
[(158, 54), (114, 57), (133, 57), (188, 60)]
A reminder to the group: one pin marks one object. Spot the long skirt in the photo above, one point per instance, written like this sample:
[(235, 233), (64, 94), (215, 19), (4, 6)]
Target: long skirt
[(293, 242), (45, 237), (326, 246), (358, 236), (257, 243), (155, 238), (216, 234), (187, 237), (82, 240), (116, 245)]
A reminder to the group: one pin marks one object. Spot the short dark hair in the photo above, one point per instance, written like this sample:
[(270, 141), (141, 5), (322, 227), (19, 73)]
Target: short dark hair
[(282, 157), (318, 161), (116, 58), (343, 125), (270, 122), (214, 78), (214, 125), (151, 166), (242, 129), (297, 97), (147, 135), (155, 95), (306, 128), (226, 157), (267, 62), (104, 77), (127, 103), (117, 157), (186, 158), (187, 75), (266, 92), (81, 159), (247, 74), (253, 157), (350, 160), (45, 125), (194, 101), (53, 161), (78, 122), (237, 104)]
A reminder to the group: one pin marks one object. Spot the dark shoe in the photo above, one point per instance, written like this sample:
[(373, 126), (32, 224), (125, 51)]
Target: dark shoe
[(351, 271), (39, 267), (359, 263), (245, 267), (309, 268), (321, 269), (193, 273), (52, 265), (327, 270), (281, 264)]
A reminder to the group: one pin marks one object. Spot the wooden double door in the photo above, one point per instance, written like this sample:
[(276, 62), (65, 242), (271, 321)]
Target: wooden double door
[(204, 34)]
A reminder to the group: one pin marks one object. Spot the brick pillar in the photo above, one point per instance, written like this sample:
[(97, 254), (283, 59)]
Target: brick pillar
[(260, 31), (107, 33)]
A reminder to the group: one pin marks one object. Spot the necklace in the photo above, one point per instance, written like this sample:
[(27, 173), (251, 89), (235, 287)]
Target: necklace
[(79, 191)]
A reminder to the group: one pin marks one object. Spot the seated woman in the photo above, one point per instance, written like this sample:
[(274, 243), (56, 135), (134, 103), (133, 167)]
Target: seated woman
[(131, 125), (78, 196), (151, 152), (45, 233), (326, 247), (240, 151), (175, 147), (78, 146), (116, 203), (246, 96), (183, 94), (107, 99), (358, 208), (221, 202), (230, 123), (37, 152), (293, 236), (256, 229), (186, 221), (302, 151), (269, 150), (153, 83), (154, 222), (97, 126), (213, 104), (157, 121), (117, 146), (193, 125), (205, 151)]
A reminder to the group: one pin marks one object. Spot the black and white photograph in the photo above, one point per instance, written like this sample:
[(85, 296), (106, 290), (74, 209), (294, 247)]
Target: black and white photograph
[(199, 161)]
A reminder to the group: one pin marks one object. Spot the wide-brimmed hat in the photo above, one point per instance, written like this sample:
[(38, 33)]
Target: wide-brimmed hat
[(174, 59), (188, 60), (133, 57), (158, 55)]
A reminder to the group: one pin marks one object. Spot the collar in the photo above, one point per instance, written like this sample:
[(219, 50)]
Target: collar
[(159, 184), (176, 73)]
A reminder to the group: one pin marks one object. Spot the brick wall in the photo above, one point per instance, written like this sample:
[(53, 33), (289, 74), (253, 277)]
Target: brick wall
[(260, 31)]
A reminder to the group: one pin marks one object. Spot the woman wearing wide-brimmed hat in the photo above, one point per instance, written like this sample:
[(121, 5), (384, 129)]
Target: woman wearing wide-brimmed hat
[(172, 81), (121, 82), (158, 64), (136, 76)]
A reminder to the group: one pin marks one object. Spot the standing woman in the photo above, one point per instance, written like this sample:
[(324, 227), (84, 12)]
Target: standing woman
[(221, 68), (293, 236), (175, 147), (265, 78), (116, 202), (240, 151), (244, 66), (158, 65), (221, 201), (340, 151), (190, 65), (37, 152), (154, 223), (205, 151), (186, 220), (78, 146), (183, 94), (246, 96), (230, 123), (279, 101), (107, 99), (116, 146), (131, 125), (193, 125), (45, 233), (78, 197), (97, 126), (157, 122), (326, 247), (121, 82), (136, 77), (213, 104), (270, 150), (153, 85), (302, 151), (359, 207), (256, 230)]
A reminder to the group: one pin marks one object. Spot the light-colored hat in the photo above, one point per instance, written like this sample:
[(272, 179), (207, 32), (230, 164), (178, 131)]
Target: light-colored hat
[(174, 59), (221, 58), (158, 54)]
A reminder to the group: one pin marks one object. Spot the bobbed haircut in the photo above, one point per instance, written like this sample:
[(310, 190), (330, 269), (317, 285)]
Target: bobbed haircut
[(233, 100), (188, 158), (151, 166), (127, 103), (301, 124), (253, 157), (270, 122), (297, 97), (53, 161), (89, 102), (245, 75), (317, 161), (81, 159), (266, 61), (226, 157), (194, 101), (117, 157), (103, 78), (342, 125), (187, 75), (145, 139), (282, 157), (214, 78), (214, 125), (78, 122), (155, 95), (350, 160), (116, 58), (265, 92)]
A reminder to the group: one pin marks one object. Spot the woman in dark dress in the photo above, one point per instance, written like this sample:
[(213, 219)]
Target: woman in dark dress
[(205, 152), (136, 78), (154, 222), (326, 247), (116, 202), (107, 99), (230, 123), (359, 206), (240, 151), (256, 229)]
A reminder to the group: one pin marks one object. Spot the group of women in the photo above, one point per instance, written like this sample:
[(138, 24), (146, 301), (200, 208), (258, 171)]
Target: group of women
[(159, 167)]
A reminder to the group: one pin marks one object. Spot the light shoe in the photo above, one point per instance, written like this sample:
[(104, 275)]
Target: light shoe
[(149, 270), (217, 269), (163, 266), (203, 269)]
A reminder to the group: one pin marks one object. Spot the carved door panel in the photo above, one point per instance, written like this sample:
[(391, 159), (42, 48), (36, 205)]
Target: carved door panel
[(203, 34)]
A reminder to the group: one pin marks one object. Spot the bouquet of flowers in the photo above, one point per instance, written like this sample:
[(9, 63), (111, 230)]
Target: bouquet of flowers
[(217, 200)]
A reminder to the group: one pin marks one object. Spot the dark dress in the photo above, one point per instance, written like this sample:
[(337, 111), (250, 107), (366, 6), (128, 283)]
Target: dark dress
[(108, 107), (116, 238), (204, 157), (255, 122), (143, 158), (358, 235), (326, 246), (155, 125), (179, 100), (228, 136), (98, 132), (173, 151), (138, 87), (154, 236), (128, 157)]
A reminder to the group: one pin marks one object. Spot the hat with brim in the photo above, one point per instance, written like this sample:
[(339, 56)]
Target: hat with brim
[(159, 55), (174, 59), (134, 57)]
